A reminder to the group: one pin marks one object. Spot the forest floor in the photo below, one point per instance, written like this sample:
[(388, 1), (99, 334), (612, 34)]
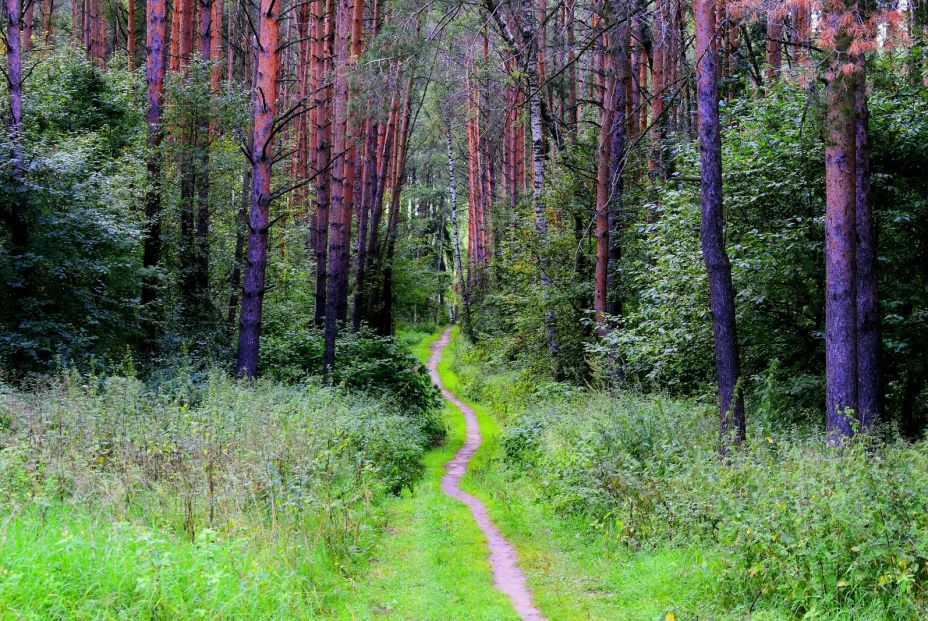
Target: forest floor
[(434, 563)]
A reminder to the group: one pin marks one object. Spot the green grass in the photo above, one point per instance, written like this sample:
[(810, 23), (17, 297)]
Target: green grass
[(433, 563), (63, 563), (575, 573)]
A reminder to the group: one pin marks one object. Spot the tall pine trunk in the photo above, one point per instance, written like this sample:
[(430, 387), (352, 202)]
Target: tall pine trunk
[(617, 140), (340, 214), (323, 24), (840, 277), (258, 222), (711, 229), (606, 121)]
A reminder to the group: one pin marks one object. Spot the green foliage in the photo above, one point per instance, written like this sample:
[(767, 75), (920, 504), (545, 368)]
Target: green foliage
[(77, 276), (208, 495), (796, 524), (365, 363)]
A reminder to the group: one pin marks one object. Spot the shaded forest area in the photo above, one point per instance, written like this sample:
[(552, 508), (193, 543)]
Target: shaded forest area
[(668, 231)]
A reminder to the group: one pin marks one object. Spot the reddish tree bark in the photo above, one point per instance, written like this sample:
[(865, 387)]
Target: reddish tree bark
[(174, 54), (48, 26), (774, 48), (258, 223), (351, 160), (185, 32), (28, 17), (840, 277), (340, 214), (384, 322), (76, 24), (572, 116), (721, 294), (215, 52), (383, 166), (606, 120)]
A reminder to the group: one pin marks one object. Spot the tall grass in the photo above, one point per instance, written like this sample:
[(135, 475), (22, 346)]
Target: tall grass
[(204, 498)]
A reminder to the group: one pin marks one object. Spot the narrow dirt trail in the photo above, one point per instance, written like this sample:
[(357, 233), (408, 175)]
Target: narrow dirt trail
[(508, 578)]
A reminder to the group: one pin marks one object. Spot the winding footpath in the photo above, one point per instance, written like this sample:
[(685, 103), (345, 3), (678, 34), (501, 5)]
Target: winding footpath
[(508, 578)]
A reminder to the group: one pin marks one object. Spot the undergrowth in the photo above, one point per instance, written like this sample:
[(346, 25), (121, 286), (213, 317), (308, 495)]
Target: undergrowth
[(798, 527), (194, 499)]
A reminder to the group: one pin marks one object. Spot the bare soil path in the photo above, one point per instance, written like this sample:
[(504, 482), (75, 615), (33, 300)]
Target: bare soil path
[(508, 578)]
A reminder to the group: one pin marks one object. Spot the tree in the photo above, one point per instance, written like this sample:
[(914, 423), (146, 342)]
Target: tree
[(869, 337), (711, 229), (840, 253), (340, 214), (265, 109), (155, 27)]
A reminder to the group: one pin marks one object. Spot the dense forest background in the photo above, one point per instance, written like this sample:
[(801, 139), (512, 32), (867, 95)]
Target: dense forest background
[(132, 219), (632, 209)]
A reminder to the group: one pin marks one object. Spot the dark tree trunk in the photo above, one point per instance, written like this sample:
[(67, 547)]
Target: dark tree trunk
[(384, 322), (155, 29), (323, 26), (711, 229), (869, 388), (258, 223), (235, 280), (840, 278), (14, 215), (606, 121), (369, 185), (618, 139)]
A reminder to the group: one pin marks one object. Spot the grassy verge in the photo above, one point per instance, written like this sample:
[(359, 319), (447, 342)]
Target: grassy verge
[(575, 573)]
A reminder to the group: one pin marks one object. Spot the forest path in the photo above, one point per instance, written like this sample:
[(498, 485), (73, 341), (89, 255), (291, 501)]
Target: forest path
[(508, 577)]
